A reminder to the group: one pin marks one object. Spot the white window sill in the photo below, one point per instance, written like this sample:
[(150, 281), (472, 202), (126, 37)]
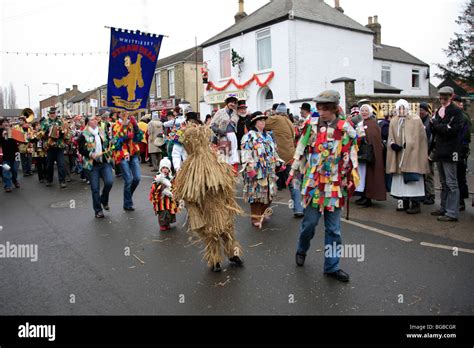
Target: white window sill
[(266, 71)]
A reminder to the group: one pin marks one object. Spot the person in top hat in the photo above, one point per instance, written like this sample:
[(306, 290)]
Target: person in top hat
[(224, 125), (446, 126), (243, 124), (305, 110), (259, 160), (326, 155)]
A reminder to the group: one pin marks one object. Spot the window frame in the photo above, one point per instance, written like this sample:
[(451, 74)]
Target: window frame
[(158, 84), (266, 34), (416, 72), (171, 72), (386, 68), (223, 47)]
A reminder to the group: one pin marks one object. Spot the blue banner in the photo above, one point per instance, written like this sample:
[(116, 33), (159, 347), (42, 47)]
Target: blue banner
[(132, 63)]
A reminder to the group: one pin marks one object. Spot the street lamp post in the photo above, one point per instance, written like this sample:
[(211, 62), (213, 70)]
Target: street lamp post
[(53, 83), (29, 99)]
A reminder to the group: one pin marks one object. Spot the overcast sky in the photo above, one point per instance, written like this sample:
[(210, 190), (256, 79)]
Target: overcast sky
[(421, 27)]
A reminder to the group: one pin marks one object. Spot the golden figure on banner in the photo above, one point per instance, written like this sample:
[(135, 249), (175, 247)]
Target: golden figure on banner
[(133, 78)]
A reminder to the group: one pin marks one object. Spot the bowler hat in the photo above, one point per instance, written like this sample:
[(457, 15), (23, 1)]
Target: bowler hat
[(306, 107)]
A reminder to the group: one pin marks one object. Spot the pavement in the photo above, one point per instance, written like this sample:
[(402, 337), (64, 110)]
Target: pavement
[(411, 265)]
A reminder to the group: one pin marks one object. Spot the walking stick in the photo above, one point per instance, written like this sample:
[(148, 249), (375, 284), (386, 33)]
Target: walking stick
[(347, 208)]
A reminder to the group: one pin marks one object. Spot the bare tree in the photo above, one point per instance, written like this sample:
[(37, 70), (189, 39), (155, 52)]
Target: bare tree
[(2, 99), (11, 97)]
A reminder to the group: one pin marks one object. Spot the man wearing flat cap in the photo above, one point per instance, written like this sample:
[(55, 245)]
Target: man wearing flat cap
[(326, 155), (446, 126)]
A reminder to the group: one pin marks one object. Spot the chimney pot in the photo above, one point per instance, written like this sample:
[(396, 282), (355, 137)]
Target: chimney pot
[(370, 20), (376, 19), (74, 87)]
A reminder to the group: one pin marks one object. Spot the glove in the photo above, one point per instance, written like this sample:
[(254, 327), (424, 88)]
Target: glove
[(133, 120), (396, 147)]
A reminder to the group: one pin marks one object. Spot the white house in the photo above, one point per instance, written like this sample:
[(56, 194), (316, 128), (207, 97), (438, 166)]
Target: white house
[(293, 49)]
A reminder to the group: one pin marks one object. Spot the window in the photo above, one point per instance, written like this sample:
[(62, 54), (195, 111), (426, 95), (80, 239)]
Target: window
[(224, 51), (386, 74), (158, 84), (415, 78), (264, 50), (171, 82)]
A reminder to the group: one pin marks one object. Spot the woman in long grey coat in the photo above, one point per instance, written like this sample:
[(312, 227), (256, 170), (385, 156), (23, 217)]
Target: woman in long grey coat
[(407, 158), (155, 141)]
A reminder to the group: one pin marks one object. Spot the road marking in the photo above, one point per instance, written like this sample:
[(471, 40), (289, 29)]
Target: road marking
[(447, 247), (379, 231)]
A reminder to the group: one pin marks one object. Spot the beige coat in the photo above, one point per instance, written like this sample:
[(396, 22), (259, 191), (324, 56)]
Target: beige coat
[(414, 157), (284, 135), (155, 129)]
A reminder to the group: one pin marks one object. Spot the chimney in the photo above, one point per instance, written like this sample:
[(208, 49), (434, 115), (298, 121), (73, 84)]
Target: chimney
[(241, 14), (375, 26), (74, 87), (337, 6), (68, 90)]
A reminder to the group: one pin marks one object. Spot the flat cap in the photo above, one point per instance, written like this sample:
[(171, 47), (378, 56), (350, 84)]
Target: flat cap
[(446, 90), (328, 97)]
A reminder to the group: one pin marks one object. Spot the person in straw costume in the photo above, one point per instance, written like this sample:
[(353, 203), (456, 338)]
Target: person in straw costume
[(206, 185)]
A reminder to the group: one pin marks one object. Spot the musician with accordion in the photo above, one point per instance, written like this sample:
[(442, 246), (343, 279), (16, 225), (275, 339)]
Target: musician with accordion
[(56, 136)]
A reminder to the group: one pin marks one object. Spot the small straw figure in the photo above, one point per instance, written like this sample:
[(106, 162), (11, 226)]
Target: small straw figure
[(161, 196), (206, 185)]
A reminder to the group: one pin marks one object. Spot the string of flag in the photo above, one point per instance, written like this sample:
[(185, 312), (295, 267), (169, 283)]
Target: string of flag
[(57, 54)]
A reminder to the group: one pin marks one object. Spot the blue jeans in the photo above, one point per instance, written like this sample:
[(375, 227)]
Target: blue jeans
[(55, 154), (26, 160), (449, 188), (295, 190), (332, 224), (10, 176), (104, 171), (131, 177)]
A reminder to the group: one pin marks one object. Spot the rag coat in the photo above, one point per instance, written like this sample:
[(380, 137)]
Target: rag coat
[(284, 135), (375, 178), (411, 136), (155, 130)]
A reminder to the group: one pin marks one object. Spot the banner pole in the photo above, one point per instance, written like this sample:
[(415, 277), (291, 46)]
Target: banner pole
[(144, 32)]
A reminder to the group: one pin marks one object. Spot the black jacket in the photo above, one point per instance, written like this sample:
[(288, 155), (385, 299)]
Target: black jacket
[(242, 125), (9, 147), (446, 133)]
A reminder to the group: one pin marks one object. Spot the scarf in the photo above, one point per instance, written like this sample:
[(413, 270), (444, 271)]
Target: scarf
[(98, 141)]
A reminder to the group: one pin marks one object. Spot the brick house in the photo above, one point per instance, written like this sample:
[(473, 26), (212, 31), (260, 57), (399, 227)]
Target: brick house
[(176, 78), (60, 102)]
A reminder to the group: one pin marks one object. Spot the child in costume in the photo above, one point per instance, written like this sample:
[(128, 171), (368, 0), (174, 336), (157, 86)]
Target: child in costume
[(161, 196)]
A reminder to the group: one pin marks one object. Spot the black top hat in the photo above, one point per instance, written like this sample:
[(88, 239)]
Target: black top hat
[(306, 107), (258, 115), (52, 110), (241, 104)]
